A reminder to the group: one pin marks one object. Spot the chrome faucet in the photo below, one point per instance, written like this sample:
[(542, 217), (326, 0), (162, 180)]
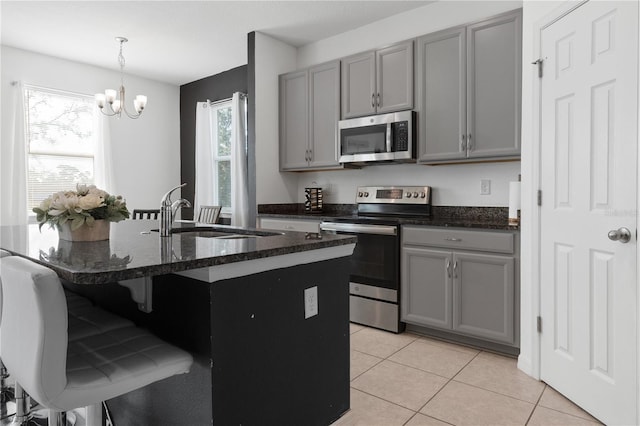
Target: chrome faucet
[(168, 211)]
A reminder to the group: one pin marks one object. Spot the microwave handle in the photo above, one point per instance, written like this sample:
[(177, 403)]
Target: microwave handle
[(388, 141)]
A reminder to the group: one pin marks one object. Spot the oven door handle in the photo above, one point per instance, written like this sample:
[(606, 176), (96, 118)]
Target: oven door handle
[(358, 228)]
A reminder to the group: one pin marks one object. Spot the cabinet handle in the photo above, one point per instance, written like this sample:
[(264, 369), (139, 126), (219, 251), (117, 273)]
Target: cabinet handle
[(378, 99), (448, 268), (373, 100), (455, 269), (463, 143), (310, 155), (469, 143), (457, 240)]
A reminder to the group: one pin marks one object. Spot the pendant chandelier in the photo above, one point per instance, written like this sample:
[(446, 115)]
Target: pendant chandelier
[(110, 96)]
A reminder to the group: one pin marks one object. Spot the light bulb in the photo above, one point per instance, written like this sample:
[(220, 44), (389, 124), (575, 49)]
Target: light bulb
[(100, 99), (110, 95)]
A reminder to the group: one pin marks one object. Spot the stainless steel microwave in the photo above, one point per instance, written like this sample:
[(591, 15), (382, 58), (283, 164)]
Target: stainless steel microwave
[(384, 137)]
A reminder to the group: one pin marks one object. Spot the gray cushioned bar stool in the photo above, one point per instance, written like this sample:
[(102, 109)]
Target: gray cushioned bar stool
[(63, 374)]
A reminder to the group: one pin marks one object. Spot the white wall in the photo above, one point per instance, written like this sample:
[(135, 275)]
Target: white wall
[(453, 184), (272, 58), (144, 150), (413, 23)]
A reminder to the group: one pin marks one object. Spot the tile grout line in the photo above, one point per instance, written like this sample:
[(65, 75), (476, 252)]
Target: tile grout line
[(445, 385), (537, 403), (420, 369), (387, 359), (368, 369), (385, 400)]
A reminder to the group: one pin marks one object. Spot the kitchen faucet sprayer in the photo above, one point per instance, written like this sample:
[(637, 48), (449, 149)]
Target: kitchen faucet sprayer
[(168, 210)]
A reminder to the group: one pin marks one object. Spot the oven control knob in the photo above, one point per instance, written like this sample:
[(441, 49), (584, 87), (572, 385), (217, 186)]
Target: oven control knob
[(415, 195), (422, 195), (408, 195), (359, 194), (366, 194)]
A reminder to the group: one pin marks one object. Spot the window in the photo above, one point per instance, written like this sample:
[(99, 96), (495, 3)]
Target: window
[(221, 114), (60, 142)]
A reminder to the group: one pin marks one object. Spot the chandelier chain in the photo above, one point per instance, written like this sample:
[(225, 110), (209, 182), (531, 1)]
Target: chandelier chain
[(121, 57)]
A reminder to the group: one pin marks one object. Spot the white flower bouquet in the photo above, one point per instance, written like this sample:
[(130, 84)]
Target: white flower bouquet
[(85, 205)]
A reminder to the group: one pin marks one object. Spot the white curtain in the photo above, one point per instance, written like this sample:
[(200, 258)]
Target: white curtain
[(103, 165), (14, 164), (205, 171), (239, 191)]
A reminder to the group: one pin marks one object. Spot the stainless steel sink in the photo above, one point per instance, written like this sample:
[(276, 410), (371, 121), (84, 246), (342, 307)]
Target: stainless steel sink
[(222, 233)]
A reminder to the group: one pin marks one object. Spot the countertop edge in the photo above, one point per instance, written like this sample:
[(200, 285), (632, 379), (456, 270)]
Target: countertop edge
[(439, 222)]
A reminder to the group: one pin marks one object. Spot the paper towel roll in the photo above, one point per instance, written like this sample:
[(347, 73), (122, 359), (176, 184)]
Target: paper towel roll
[(514, 203)]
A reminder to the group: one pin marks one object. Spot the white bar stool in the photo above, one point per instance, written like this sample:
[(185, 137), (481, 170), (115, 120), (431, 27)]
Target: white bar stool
[(64, 373)]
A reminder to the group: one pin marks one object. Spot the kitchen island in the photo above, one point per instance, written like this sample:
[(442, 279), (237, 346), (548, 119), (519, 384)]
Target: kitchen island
[(236, 302)]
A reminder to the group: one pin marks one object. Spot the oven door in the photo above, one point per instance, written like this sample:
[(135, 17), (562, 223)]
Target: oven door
[(375, 278), (374, 262)]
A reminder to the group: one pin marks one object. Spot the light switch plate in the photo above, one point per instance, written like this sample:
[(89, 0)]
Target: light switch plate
[(310, 302), (485, 186)]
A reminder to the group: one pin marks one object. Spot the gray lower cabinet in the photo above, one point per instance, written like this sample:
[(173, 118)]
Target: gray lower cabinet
[(309, 114), (378, 82), (468, 83), (460, 290)]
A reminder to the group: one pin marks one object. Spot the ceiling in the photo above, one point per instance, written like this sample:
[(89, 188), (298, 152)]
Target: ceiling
[(178, 41)]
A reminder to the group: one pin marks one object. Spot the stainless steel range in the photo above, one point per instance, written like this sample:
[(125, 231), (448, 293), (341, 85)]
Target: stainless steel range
[(375, 264)]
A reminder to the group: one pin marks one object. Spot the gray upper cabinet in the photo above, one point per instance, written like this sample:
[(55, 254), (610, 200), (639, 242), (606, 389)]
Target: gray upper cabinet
[(494, 76), (309, 114), (469, 91), (359, 85), (294, 133), (324, 114), (441, 63), (378, 82)]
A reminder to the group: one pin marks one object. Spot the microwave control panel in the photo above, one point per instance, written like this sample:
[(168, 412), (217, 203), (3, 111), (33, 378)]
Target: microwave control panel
[(400, 131)]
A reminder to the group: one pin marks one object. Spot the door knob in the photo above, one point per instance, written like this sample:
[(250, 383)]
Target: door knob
[(622, 234)]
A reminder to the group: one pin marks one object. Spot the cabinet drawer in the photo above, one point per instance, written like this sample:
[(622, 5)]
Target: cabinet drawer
[(499, 242), (290, 225)]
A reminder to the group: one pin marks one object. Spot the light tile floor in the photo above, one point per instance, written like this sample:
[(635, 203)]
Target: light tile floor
[(406, 379)]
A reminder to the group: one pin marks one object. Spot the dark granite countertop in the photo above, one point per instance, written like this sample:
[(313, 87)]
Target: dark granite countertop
[(443, 216), (133, 252)]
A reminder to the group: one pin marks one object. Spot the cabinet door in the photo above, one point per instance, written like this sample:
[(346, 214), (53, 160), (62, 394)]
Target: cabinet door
[(494, 86), (294, 133), (359, 85), (324, 113), (394, 78), (442, 102), (483, 296), (426, 287)]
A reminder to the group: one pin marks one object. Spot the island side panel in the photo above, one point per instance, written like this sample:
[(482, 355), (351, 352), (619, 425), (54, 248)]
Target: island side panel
[(270, 364)]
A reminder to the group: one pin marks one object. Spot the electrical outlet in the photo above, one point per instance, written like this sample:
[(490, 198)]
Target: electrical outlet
[(310, 302), (485, 186)]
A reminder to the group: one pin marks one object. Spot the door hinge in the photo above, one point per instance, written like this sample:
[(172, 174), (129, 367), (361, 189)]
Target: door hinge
[(539, 197), (539, 324), (538, 62)]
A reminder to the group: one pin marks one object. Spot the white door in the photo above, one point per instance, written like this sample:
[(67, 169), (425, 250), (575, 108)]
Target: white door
[(589, 185)]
